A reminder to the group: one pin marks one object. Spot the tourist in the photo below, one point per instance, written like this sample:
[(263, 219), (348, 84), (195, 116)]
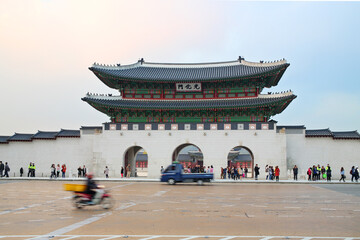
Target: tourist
[(309, 172), (314, 173), (323, 172), (352, 173), (128, 171), (224, 171), (161, 169), (29, 170), (2, 167), (21, 171), (246, 172), (356, 173), (7, 170), (79, 171), (267, 171), (318, 171), (328, 173), (271, 173), (63, 170), (236, 173), (295, 170), (256, 172), (342, 173), (229, 172), (33, 168), (53, 171), (277, 173), (122, 172), (211, 169), (84, 171), (106, 172), (58, 170)]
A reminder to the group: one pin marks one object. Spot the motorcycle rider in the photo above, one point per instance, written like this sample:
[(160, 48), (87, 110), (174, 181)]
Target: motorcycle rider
[(91, 187)]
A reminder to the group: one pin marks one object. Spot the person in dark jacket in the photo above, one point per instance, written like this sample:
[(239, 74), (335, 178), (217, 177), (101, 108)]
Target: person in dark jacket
[(295, 170), (256, 169), (328, 173), (91, 185), (21, 171), (1, 169), (7, 170)]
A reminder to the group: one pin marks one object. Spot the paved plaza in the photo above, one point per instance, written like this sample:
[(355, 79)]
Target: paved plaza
[(153, 210)]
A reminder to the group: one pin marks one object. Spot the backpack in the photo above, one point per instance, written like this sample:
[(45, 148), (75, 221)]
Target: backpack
[(351, 172), (7, 168)]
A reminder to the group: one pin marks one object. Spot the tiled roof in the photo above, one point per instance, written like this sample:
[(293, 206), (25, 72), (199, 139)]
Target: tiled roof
[(68, 133), (188, 104), (291, 127), (188, 72), (346, 135), (91, 128), (335, 135), (3, 139), (45, 135), (318, 133), (21, 137)]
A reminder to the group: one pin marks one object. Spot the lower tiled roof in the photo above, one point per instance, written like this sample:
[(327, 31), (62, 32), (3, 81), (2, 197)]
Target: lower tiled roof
[(318, 133), (188, 104)]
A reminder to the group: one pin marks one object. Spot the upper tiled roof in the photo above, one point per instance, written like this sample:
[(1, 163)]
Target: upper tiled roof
[(189, 104), (21, 137), (144, 71), (3, 139), (45, 135)]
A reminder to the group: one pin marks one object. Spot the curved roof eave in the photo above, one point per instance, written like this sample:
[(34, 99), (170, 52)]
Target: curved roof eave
[(150, 72)]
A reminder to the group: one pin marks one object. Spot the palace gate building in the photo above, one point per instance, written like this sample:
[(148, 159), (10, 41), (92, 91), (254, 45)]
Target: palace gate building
[(223, 110)]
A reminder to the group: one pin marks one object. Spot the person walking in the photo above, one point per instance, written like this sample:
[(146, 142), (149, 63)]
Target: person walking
[(63, 170), (295, 170), (309, 171), (58, 170), (342, 173), (328, 173), (277, 173), (128, 171), (106, 172), (33, 168), (2, 168), (21, 171), (53, 171), (84, 171), (256, 172), (79, 171), (7, 170), (352, 173), (29, 170), (122, 172)]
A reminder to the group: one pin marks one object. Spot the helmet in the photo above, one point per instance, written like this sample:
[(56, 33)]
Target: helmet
[(90, 175)]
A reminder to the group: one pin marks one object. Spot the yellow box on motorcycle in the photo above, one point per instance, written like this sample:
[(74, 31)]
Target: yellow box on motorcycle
[(74, 187)]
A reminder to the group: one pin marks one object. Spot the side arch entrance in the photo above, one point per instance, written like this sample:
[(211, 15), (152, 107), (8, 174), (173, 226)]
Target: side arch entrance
[(135, 162), (242, 158)]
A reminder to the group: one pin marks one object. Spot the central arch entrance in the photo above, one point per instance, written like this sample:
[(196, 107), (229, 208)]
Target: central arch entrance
[(136, 162), (242, 159), (190, 156)]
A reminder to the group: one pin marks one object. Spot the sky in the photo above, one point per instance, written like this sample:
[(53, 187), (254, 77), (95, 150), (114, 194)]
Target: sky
[(47, 46)]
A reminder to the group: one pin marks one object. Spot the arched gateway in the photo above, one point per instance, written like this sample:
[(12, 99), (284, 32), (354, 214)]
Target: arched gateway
[(136, 162), (189, 155), (221, 96), (241, 158)]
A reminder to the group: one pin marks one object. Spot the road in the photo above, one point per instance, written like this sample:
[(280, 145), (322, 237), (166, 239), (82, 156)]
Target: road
[(42, 210)]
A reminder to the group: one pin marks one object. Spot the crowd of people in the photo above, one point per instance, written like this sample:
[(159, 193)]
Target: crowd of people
[(198, 169), (233, 172), (4, 169)]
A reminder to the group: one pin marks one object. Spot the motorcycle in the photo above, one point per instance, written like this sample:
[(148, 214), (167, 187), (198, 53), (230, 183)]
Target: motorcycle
[(102, 198)]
